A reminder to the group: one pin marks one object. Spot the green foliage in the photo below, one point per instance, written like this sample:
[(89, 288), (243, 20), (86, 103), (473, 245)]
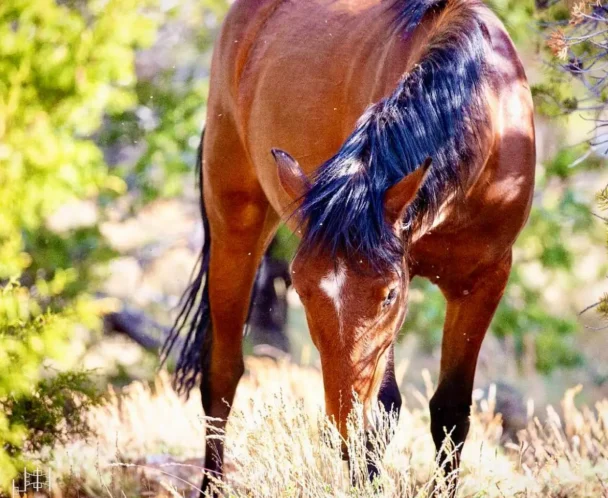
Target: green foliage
[(577, 39), (574, 39), (54, 412), (426, 314), (62, 67), (553, 350), (168, 116), (518, 17), (603, 306), (38, 406), (286, 244), (552, 97), (602, 199)]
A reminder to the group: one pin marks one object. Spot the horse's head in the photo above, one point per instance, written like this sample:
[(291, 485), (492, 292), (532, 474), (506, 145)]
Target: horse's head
[(354, 307)]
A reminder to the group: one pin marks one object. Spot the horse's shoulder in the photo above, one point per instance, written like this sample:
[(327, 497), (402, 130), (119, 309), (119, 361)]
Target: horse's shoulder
[(504, 61), (238, 36)]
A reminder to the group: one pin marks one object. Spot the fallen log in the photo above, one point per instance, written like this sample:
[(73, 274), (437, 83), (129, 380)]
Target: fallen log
[(139, 327)]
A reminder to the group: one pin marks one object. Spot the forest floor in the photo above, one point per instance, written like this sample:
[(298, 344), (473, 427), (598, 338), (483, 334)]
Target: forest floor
[(279, 444)]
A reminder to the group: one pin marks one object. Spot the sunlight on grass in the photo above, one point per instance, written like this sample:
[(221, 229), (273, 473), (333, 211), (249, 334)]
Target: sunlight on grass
[(279, 443)]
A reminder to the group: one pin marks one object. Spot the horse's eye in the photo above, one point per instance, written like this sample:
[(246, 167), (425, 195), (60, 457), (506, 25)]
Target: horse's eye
[(390, 298)]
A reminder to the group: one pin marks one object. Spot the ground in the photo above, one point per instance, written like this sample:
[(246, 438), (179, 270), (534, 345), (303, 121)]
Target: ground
[(150, 443)]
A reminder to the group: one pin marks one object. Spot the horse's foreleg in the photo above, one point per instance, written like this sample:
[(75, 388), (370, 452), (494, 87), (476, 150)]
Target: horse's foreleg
[(471, 307), (238, 241)]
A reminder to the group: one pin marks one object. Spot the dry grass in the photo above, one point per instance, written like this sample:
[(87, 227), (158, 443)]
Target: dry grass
[(280, 444)]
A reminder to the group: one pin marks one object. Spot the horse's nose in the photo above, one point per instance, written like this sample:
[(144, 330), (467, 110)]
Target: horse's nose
[(345, 386)]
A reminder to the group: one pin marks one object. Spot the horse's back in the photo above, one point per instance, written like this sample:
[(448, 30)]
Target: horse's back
[(297, 75)]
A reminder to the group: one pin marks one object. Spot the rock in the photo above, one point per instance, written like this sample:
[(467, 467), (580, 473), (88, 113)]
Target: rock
[(510, 403)]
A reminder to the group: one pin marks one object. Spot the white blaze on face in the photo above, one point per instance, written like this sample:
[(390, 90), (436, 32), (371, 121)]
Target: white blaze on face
[(333, 283)]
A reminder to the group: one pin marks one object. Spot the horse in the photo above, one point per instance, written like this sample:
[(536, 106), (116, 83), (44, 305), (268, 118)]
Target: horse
[(395, 138)]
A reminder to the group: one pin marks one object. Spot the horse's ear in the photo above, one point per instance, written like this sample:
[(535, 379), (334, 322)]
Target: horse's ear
[(291, 176), (402, 194)]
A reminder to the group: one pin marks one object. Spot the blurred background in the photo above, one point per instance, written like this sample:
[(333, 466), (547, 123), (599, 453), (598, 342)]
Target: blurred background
[(102, 103)]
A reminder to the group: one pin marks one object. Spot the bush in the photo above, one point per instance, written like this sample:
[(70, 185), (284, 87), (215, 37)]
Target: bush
[(64, 66), (39, 407), (603, 201)]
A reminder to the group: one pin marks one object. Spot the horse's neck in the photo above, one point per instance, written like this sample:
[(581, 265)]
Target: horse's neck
[(381, 57)]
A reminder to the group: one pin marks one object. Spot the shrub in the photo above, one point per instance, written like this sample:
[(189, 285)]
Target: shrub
[(39, 406)]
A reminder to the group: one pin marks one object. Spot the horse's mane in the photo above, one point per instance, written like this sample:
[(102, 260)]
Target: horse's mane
[(435, 111)]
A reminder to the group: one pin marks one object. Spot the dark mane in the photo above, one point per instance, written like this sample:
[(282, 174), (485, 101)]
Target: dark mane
[(435, 111)]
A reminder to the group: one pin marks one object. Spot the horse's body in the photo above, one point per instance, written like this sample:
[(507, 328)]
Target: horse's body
[(298, 75)]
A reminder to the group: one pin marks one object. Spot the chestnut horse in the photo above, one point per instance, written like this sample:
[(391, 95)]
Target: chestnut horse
[(410, 129)]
